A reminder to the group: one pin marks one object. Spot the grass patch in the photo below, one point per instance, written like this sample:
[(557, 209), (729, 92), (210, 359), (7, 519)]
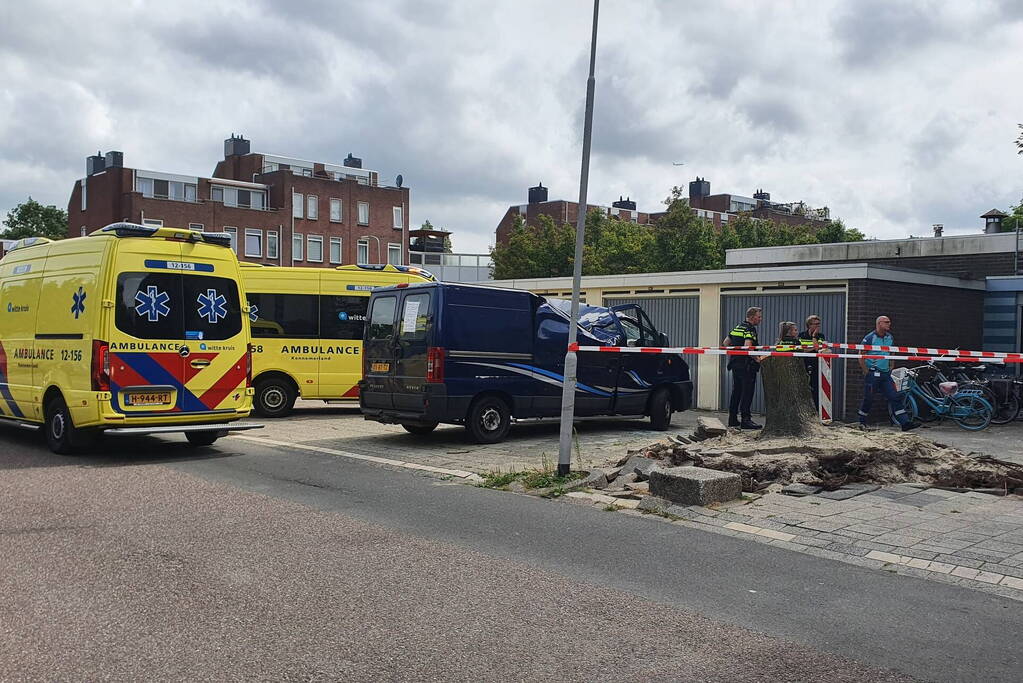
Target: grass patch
[(531, 479)]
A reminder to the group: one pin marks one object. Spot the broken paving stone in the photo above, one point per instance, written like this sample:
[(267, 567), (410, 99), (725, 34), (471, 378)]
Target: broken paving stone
[(710, 426), (654, 504), (595, 479), (862, 487), (641, 486), (678, 438), (800, 490), (839, 494), (627, 479), (612, 472), (641, 466), (695, 485)]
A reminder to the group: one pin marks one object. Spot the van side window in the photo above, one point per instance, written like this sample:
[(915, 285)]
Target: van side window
[(285, 315), (415, 317), (381, 320), (343, 317)]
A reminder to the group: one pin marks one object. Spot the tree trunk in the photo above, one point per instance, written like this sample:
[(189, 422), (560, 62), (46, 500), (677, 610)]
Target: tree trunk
[(789, 407)]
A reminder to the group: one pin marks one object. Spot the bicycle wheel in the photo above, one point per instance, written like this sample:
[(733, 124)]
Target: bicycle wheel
[(971, 412), (1006, 411), (909, 403)]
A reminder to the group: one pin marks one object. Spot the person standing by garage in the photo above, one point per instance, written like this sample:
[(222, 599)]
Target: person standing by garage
[(877, 376), (812, 339), (744, 370)]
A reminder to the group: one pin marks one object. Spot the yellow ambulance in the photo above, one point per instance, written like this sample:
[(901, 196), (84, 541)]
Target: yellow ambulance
[(133, 329), (307, 326)]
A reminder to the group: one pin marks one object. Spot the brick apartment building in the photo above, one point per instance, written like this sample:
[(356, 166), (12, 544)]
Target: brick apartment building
[(280, 210), (718, 209), (5, 245), (757, 206)]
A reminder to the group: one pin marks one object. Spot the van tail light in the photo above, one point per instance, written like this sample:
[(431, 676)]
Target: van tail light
[(100, 365), (248, 366), (435, 365)]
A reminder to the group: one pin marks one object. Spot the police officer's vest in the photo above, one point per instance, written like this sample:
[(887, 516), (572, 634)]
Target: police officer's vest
[(806, 340), (737, 337)]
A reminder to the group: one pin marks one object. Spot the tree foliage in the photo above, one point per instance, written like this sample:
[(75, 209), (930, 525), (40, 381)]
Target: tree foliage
[(1014, 220), (32, 219), (679, 241)]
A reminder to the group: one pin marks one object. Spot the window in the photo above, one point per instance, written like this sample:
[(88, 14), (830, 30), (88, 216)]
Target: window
[(190, 193), (83, 194), (84, 231), (362, 256), (335, 250), (394, 254), (314, 249), (155, 222), (143, 185), (335, 210), (217, 194), (233, 232), (170, 306), (415, 317), (312, 209), (253, 242), (296, 205), (232, 196), (272, 250), (398, 222), (285, 315), (343, 317), (296, 246), (198, 227), (381, 320), (363, 213)]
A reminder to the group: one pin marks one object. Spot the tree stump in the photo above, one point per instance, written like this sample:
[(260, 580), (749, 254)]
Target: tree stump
[(789, 407)]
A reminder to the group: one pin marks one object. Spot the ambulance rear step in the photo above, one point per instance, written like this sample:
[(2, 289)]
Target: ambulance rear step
[(179, 429)]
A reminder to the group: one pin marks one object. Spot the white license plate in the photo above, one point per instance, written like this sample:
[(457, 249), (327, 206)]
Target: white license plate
[(152, 398)]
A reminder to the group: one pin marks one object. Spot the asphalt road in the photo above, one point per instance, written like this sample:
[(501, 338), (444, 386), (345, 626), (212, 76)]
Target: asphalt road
[(243, 561)]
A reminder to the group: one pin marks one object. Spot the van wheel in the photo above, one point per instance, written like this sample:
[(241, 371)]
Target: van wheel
[(489, 420), (202, 438), (661, 409), (420, 429), (275, 397), (62, 436)]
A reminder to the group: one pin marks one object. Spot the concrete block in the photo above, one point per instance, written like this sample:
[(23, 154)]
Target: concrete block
[(695, 485), (641, 465), (710, 426)]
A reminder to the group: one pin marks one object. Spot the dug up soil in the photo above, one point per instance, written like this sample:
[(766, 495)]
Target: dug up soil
[(834, 456)]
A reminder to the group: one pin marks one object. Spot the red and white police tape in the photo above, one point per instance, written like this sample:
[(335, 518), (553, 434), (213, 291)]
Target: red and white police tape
[(824, 381)]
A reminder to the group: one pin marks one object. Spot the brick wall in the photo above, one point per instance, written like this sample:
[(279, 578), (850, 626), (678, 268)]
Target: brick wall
[(922, 315)]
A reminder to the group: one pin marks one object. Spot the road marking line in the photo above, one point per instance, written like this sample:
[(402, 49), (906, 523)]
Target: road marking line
[(461, 474)]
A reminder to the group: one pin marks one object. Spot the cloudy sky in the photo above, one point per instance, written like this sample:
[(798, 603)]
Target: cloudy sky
[(896, 115)]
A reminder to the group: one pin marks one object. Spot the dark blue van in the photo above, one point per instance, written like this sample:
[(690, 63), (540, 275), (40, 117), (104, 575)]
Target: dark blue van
[(481, 356)]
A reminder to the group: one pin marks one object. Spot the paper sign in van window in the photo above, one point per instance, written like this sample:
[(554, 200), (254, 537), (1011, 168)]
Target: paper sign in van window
[(408, 320), (180, 265)]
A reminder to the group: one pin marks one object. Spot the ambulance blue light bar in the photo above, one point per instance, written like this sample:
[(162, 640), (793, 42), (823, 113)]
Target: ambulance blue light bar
[(123, 229), (390, 267)]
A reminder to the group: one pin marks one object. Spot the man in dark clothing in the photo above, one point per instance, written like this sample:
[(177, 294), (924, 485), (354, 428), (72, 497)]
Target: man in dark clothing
[(744, 370), (811, 339)]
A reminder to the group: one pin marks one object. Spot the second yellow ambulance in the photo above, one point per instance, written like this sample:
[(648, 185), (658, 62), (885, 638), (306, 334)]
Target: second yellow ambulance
[(307, 326)]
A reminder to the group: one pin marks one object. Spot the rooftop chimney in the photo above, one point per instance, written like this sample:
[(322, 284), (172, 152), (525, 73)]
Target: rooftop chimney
[(624, 204), (762, 196), (993, 221), (938, 228), (352, 162), (537, 194), (94, 164), (114, 159), (698, 189), (235, 146)]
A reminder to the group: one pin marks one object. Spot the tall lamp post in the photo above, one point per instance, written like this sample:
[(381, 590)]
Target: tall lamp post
[(366, 237), (571, 359)]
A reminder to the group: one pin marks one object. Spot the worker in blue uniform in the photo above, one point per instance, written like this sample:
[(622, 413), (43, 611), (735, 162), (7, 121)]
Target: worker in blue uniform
[(877, 376)]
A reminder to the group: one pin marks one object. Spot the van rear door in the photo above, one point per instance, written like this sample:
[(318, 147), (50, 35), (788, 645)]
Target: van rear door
[(412, 340), (378, 352)]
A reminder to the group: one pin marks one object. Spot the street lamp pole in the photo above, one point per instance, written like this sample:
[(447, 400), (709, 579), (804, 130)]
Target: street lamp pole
[(571, 360), (378, 244)]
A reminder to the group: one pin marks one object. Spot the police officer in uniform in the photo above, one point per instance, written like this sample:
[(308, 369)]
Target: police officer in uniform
[(811, 339), (744, 370)]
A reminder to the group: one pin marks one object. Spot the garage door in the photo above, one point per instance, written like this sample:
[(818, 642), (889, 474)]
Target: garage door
[(678, 317), (779, 307)]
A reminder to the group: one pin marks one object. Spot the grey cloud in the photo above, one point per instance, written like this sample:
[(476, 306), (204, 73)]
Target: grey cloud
[(775, 114), (872, 32)]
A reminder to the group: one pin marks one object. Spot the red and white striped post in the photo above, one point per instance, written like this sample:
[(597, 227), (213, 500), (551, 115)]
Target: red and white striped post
[(824, 389)]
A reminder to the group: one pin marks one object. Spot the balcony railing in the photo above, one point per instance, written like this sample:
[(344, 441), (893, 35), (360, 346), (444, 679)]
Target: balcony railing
[(429, 258)]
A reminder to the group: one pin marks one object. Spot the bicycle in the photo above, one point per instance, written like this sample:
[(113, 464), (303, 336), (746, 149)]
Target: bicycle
[(966, 407), (1000, 394)]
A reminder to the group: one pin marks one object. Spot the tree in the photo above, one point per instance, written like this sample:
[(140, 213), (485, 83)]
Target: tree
[(32, 219), (790, 410), (684, 241), (1014, 220), (1019, 140), (544, 250)]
